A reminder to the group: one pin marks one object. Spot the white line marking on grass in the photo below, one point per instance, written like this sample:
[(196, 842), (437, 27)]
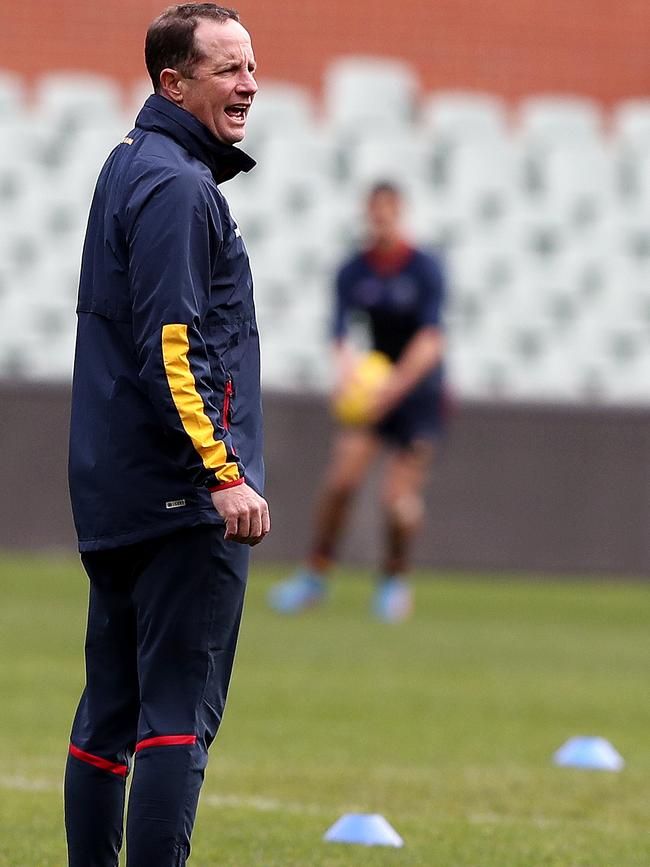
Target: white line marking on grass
[(18, 783), (496, 819), (264, 805)]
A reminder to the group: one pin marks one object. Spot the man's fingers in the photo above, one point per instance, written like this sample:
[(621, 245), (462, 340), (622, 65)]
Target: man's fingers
[(244, 525), (261, 527), (245, 513), (231, 527), (255, 531)]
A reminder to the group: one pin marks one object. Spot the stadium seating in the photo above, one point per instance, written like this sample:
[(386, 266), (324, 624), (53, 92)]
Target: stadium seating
[(363, 93), (540, 211), (451, 117), (631, 121), (74, 100), (560, 118), (279, 108), (12, 95)]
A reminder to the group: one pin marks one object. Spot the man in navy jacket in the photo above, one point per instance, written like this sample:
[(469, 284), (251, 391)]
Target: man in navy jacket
[(166, 471)]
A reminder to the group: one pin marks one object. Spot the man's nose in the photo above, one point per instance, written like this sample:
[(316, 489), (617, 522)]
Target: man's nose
[(247, 83)]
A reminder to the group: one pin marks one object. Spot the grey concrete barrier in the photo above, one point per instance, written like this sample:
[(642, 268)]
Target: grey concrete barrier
[(548, 489)]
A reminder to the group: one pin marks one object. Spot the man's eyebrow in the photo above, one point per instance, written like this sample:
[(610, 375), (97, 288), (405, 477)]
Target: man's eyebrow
[(227, 62), (224, 62)]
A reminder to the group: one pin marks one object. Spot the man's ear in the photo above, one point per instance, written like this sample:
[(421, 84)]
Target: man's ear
[(170, 85)]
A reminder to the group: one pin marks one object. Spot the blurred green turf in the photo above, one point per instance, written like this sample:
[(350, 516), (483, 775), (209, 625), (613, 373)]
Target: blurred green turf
[(446, 725)]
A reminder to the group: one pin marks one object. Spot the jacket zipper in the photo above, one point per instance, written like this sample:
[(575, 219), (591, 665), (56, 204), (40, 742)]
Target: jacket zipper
[(227, 397)]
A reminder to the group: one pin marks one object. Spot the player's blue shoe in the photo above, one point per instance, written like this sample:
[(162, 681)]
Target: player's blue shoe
[(297, 593), (393, 600)]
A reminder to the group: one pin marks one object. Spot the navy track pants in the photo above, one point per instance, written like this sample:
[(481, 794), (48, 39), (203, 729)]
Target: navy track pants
[(163, 621)]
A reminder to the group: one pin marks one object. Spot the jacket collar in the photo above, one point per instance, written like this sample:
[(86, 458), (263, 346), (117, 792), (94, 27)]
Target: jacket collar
[(389, 262), (224, 161)]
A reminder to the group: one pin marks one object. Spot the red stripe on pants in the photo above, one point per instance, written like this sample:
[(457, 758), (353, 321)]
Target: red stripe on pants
[(98, 762), (165, 741)]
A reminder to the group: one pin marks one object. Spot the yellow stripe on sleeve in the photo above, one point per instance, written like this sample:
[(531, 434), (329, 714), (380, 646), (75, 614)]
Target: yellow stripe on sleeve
[(190, 406)]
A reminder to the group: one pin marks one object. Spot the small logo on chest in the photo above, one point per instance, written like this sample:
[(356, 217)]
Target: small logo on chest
[(402, 292), (368, 292), (175, 504)]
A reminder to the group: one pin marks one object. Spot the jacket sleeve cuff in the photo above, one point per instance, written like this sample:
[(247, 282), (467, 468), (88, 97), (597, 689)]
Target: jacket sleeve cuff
[(226, 485)]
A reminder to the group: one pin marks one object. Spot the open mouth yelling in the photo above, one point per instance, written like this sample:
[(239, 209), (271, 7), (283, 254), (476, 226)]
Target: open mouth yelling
[(238, 111)]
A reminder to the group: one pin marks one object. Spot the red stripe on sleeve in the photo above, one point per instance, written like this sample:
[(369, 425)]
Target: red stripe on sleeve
[(98, 762), (165, 741), (226, 485)]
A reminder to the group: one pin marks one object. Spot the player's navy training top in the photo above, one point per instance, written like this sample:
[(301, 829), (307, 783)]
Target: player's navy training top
[(399, 294), (166, 391)]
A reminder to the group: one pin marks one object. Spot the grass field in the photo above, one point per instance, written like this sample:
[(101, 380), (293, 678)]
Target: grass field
[(445, 725)]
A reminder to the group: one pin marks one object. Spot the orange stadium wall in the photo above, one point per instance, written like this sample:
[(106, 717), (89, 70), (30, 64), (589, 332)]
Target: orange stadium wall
[(511, 47)]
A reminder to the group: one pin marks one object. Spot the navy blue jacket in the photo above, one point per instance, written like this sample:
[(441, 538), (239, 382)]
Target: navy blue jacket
[(166, 391)]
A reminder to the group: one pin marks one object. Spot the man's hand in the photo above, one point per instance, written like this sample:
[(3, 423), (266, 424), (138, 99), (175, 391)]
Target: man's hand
[(385, 399), (246, 514), (420, 356)]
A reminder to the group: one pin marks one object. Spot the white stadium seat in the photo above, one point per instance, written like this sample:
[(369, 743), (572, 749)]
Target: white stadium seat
[(136, 97), (24, 138), (578, 181), (560, 118), (457, 115), (403, 159), (639, 191), (363, 93), (12, 95), (74, 99), (278, 108), (631, 121), (293, 167), (483, 178), (92, 145)]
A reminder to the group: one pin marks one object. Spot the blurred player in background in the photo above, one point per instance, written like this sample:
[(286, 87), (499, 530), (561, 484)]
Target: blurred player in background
[(400, 290)]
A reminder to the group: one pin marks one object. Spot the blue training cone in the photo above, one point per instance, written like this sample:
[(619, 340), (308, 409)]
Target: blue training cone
[(591, 753), (364, 829)]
